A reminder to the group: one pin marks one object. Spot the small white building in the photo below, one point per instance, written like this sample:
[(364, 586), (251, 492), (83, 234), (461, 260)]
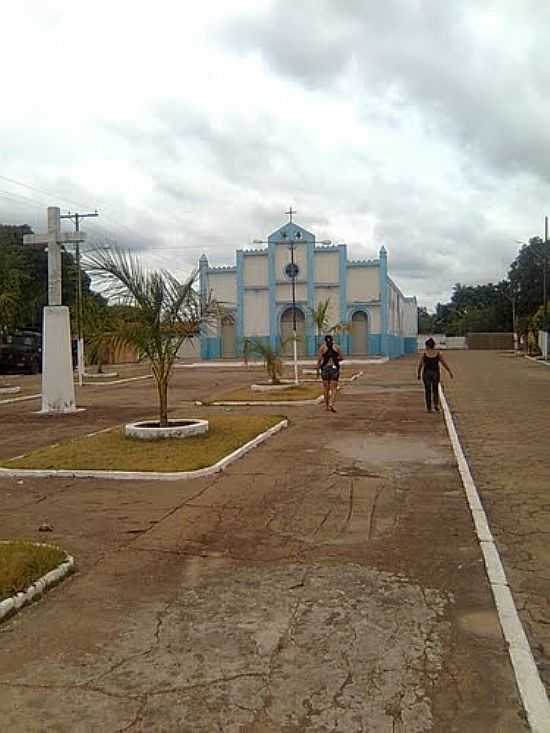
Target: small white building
[(258, 292)]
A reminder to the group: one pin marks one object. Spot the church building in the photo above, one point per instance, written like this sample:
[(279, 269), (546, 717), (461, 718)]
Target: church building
[(374, 317)]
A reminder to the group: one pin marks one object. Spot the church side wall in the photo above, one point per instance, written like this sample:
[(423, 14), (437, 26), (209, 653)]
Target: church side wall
[(410, 325), (374, 319), (403, 322)]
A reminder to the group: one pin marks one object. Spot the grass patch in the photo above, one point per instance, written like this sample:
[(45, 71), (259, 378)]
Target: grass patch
[(246, 394), (113, 451), (22, 563)]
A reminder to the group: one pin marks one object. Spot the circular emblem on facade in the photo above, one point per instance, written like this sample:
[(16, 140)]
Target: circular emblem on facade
[(292, 270)]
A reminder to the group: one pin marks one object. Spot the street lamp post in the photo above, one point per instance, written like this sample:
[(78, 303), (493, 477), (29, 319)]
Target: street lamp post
[(293, 271)]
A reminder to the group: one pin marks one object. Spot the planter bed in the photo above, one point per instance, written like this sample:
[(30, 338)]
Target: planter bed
[(152, 429), (26, 570), (292, 393), (110, 451)]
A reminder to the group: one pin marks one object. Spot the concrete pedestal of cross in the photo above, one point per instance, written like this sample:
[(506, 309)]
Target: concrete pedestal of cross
[(58, 396)]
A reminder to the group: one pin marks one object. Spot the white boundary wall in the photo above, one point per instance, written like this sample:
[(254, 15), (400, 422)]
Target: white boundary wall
[(442, 341), (544, 343)]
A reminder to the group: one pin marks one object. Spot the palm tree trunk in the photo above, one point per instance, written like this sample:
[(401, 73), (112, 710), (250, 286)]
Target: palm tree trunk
[(162, 387)]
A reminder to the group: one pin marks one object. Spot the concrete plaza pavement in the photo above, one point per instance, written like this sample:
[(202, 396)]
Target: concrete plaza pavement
[(328, 581)]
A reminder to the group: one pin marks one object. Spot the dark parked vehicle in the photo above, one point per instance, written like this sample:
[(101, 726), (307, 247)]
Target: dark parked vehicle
[(21, 352)]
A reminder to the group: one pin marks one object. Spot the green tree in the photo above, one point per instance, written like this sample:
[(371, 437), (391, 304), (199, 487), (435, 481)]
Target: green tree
[(164, 313), (12, 284), (425, 320), (100, 325), (526, 275), (33, 294)]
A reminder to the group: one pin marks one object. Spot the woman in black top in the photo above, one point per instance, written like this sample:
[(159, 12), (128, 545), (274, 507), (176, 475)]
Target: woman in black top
[(428, 368), (328, 362)]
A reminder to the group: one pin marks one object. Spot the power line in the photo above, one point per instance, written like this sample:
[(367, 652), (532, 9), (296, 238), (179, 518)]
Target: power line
[(22, 200), (38, 190), (66, 200)]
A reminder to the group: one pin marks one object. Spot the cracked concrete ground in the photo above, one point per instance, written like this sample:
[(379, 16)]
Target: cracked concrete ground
[(329, 581)]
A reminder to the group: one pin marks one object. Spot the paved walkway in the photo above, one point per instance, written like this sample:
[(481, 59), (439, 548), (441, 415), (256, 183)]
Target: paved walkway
[(329, 581), (502, 407)]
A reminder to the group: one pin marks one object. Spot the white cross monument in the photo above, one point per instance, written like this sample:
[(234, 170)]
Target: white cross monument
[(57, 364)]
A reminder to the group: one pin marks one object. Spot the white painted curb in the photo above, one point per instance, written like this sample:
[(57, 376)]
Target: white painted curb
[(146, 475), (118, 381), (263, 403), (12, 604), (531, 688), (345, 380), (20, 399), (538, 361), (10, 390), (285, 384), (307, 362), (103, 375), (142, 430)]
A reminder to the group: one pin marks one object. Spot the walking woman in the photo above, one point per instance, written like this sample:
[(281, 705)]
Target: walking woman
[(428, 368), (328, 362)]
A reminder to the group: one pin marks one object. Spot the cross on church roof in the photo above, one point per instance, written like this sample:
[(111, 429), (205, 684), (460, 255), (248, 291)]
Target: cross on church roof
[(290, 212)]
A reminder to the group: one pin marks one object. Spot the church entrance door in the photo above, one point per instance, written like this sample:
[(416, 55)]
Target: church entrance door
[(229, 350), (286, 331), (359, 334)]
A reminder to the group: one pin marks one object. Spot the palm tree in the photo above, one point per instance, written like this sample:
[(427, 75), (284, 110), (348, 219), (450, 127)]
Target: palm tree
[(165, 312), (341, 328), (319, 316), (271, 356)]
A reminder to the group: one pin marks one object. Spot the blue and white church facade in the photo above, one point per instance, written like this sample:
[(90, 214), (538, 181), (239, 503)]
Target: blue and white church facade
[(257, 291)]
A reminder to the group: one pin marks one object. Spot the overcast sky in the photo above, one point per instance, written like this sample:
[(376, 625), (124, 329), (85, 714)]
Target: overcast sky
[(192, 126)]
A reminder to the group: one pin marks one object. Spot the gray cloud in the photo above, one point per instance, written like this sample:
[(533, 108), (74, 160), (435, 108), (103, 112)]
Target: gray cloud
[(395, 122), (491, 98)]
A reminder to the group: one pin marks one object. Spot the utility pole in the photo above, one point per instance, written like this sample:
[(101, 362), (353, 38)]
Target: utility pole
[(79, 316)]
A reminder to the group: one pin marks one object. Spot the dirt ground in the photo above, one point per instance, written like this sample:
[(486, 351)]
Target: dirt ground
[(328, 581), (502, 410)]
